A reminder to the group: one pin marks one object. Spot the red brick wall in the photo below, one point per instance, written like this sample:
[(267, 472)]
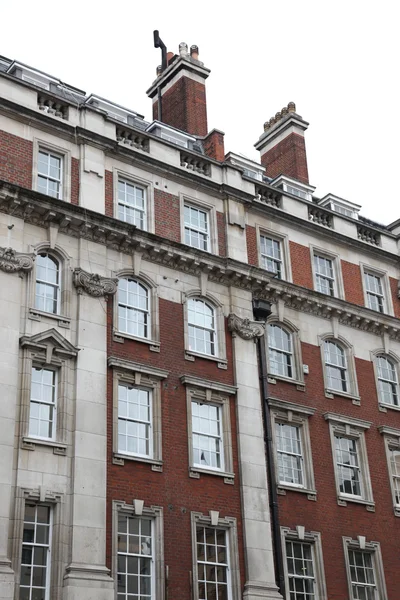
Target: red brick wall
[(184, 106), (394, 291), (288, 157), (74, 181), (325, 515), (16, 158), (221, 228), (214, 145), (166, 214), (109, 199), (172, 489), (352, 282), (300, 259), (251, 239)]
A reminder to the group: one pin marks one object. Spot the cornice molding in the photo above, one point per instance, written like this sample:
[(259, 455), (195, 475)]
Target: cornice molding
[(93, 284), (244, 328), (12, 261), (76, 221)]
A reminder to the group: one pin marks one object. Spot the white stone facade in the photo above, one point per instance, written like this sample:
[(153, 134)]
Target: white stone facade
[(68, 473)]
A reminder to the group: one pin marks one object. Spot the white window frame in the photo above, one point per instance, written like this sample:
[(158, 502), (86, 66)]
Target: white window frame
[(155, 513), (148, 423), (372, 548), (35, 545), (391, 438), (133, 374), (138, 181), (51, 351), (228, 524), (216, 394), (210, 209), (220, 341), (384, 406), (284, 247), (57, 181), (56, 502), (63, 316), (352, 384), (52, 404), (297, 362), (64, 154), (47, 283), (212, 331), (288, 413), (387, 296), (312, 538), (354, 429), (338, 287), (153, 338)]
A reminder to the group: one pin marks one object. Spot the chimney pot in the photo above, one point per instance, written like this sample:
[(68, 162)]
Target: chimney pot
[(291, 107), (194, 52), (183, 49), (159, 70)]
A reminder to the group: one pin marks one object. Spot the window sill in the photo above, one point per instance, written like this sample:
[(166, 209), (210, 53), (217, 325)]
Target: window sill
[(342, 500), (119, 459), (396, 510), (195, 472), (120, 337), (282, 489), (29, 443), (38, 315), (222, 363), (272, 379), (332, 393), (384, 407)]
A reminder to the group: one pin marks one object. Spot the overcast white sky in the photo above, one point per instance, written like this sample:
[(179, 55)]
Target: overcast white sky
[(338, 61)]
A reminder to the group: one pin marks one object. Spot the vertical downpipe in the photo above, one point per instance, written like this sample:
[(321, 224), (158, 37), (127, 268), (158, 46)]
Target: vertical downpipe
[(261, 311)]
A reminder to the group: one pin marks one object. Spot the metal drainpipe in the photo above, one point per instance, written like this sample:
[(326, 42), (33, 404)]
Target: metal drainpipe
[(261, 311)]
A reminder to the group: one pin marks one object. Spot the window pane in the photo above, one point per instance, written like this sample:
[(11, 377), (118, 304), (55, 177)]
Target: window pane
[(289, 454), (134, 420), (300, 566), (280, 351), (207, 435), (133, 308), (212, 564), (135, 559), (335, 366), (196, 227), (348, 468), (35, 551), (201, 327)]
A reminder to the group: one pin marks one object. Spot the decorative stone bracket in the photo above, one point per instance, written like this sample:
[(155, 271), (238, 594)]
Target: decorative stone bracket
[(244, 328), (12, 262), (93, 284)]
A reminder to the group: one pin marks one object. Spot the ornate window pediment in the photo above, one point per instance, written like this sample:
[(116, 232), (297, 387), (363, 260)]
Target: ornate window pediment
[(51, 338)]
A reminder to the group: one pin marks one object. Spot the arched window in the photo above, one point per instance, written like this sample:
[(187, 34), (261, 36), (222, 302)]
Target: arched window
[(388, 385), (336, 366), (280, 349), (47, 295), (202, 327), (133, 308)]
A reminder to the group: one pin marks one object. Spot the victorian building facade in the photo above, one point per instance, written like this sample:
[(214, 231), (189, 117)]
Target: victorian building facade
[(199, 358)]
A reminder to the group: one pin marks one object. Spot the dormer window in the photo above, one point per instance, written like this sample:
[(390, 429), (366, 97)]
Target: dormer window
[(114, 111), (294, 187), (171, 135), (340, 206)]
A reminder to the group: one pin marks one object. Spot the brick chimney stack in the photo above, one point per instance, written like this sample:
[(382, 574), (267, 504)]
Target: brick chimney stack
[(183, 92), (282, 145)]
